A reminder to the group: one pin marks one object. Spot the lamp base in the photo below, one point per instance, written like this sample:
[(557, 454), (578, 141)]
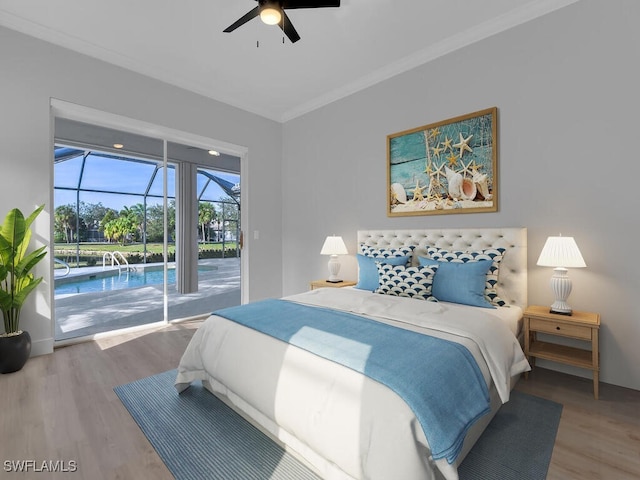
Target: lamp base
[(334, 268), (561, 286)]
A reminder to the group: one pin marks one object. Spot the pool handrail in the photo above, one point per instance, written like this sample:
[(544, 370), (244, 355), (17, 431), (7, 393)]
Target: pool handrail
[(65, 264), (114, 260)]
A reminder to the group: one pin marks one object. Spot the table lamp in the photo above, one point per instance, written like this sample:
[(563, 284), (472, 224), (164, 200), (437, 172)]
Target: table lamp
[(334, 246), (561, 252)]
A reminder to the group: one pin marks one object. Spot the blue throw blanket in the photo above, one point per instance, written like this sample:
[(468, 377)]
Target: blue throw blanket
[(440, 380)]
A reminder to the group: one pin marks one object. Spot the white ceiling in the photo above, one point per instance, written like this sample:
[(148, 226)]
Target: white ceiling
[(342, 50)]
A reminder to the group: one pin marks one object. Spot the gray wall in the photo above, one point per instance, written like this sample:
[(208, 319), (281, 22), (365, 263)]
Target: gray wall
[(33, 72), (566, 88)]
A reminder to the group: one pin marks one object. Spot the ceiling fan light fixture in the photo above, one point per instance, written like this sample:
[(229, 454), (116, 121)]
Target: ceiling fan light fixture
[(270, 15), (272, 12)]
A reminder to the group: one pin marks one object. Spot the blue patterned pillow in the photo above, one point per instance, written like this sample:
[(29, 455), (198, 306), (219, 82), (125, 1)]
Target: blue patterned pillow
[(494, 254), (386, 252), (401, 281)]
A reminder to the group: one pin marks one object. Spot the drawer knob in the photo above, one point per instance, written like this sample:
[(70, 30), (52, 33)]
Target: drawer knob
[(557, 328)]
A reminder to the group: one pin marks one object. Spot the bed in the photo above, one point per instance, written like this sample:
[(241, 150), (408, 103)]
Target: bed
[(325, 389)]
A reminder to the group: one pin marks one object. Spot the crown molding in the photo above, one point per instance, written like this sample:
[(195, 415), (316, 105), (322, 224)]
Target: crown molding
[(455, 42)]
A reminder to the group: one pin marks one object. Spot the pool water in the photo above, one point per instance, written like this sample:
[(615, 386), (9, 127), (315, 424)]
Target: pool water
[(118, 282)]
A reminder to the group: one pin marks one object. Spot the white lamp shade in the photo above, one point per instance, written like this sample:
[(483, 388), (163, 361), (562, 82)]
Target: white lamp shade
[(334, 245), (561, 252)]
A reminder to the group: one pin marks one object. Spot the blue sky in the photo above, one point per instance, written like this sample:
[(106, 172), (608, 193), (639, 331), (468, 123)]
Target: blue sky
[(112, 174)]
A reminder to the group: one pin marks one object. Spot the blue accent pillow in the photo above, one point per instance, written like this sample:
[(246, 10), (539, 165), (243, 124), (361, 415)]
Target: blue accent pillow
[(368, 270), (460, 282), (494, 254)]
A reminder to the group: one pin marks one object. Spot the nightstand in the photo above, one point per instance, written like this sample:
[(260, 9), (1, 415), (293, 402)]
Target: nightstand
[(581, 325), (324, 283)]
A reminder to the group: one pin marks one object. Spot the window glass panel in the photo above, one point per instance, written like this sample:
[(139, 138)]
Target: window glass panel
[(112, 174), (68, 172), (214, 185), (156, 185)]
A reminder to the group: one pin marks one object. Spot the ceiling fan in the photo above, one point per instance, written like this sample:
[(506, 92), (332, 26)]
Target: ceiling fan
[(272, 12)]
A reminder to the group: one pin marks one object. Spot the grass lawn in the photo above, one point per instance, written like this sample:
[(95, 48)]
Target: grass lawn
[(96, 251), (132, 247)]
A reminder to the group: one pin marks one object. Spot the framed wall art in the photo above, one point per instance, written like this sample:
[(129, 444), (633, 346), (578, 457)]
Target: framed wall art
[(446, 167)]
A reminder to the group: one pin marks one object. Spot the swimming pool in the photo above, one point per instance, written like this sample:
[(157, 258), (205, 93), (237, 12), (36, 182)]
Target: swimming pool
[(119, 282)]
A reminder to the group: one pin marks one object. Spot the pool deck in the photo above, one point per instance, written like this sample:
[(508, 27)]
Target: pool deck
[(87, 314)]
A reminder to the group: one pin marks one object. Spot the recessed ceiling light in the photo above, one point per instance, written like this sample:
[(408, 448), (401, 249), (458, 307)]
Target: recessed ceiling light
[(118, 145), (215, 153)]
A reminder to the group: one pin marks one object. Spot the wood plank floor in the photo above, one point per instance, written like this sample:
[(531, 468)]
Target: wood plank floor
[(62, 407)]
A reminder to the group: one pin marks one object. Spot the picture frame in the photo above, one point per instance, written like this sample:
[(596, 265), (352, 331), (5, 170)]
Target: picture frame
[(445, 167)]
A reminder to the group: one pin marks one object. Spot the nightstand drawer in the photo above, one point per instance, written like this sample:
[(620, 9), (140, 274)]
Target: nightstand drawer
[(558, 328)]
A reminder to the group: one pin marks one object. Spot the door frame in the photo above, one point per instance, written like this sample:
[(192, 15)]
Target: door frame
[(71, 111)]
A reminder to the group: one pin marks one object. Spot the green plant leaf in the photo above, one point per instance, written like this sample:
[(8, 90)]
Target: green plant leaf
[(6, 251), (26, 287), (21, 248), (16, 264), (14, 228), (29, 220), (27, 263), (6, 301)]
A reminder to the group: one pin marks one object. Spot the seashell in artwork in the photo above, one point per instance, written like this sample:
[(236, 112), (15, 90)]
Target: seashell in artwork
[(469, 189), (398, 193), (480, 180), (454, 180)]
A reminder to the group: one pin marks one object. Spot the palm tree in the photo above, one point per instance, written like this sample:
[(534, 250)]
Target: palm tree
[(65, 220), (137, 212), (206, 215)]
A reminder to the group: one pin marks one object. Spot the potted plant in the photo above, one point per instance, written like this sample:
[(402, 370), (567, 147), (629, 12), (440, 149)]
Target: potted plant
[(16, 283)]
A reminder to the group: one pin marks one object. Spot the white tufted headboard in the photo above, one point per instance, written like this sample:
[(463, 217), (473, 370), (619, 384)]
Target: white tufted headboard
[(512, 278)]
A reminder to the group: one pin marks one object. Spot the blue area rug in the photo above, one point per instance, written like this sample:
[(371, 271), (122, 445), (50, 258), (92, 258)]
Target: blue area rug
[(517, 444), (199, 437)]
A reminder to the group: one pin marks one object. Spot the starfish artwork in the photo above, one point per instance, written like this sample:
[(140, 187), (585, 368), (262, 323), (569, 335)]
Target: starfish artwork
[(446, 144), (470, 168), (463, 145), (436, 150), (417, 192), (446, 167)]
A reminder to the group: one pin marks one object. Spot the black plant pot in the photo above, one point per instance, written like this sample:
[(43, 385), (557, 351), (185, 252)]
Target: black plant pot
[(14, 352)]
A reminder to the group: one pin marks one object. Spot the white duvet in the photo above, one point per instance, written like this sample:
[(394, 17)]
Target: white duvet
[(345, 425)]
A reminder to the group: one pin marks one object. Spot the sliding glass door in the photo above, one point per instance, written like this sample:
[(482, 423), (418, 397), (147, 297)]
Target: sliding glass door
[(142, 234)]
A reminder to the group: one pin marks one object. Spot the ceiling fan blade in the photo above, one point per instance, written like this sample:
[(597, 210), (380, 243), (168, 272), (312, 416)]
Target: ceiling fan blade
[(249, 16), (290, 4), (287, 27)]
